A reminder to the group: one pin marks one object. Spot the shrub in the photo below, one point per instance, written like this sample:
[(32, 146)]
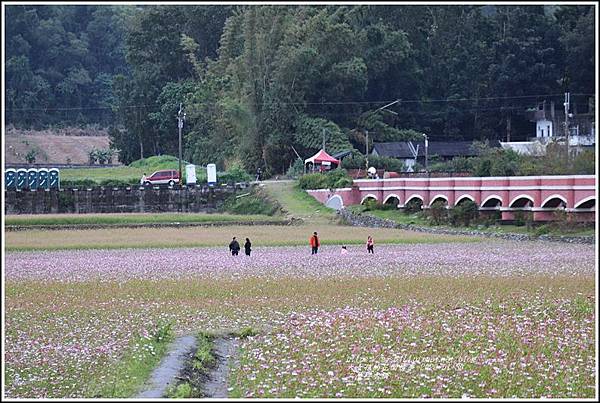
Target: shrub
[(182, 391), (247, 332), (163, 332), (464, 213), (31, 156), (338, 178), (78, 183), (584, 163), (204, 357), (524, 218), (458, 164), (233, 175), (312, 181), (413, 206), (563, 221), (250, 204), (490, 218), (354, 162), (438, 213), (370, 205), (156, 161), (541, 230), (93, 156), (388, 206), (296, 169), (104, 156), (114, 182), (386, 163)]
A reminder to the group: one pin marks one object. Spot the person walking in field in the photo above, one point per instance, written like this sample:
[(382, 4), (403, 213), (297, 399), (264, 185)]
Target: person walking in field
[(248, 247), (234, 247), (314, 243), (369, 244)]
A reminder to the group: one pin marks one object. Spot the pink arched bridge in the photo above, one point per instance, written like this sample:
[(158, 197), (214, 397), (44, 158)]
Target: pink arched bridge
[(541, 195)]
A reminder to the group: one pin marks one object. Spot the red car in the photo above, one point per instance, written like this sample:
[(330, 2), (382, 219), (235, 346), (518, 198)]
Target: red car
[(164, 177)]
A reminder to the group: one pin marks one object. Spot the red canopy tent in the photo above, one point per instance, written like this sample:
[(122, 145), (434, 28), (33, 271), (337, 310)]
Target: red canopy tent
[(323, 159)]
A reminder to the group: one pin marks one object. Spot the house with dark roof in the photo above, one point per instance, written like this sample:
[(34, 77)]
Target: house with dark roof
[(414, 151)]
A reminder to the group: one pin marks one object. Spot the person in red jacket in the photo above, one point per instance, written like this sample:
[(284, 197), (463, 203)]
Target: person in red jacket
[(314, 243)]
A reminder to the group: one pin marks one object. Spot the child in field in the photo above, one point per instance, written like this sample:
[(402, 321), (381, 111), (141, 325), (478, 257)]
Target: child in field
[(344, 250), (369, 244)]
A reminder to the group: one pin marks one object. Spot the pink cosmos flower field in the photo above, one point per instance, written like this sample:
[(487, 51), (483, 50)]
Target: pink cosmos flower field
[(494, 319), (451, 260)]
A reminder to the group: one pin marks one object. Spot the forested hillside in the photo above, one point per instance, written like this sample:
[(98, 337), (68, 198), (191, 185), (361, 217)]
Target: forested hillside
[(260, 83), (60, 63)]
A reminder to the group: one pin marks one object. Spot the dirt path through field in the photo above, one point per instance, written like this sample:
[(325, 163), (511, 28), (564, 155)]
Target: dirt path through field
[(226, 350), (164, 375)]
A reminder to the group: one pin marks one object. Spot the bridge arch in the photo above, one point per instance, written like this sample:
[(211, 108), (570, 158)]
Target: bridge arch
[(414, 203), (521, 201), (438, 197), (335, 202), (463, 197), (587, 203), (390, 197), (369, 196), (492, 201), (414, 196), (554, 201)]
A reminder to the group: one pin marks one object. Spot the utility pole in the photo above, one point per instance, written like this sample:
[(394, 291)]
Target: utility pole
[(566, 105), (426, 152), (323, 147), (180, 119), (367, 151)]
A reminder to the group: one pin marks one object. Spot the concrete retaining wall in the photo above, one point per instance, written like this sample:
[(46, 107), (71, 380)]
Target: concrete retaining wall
[(118, 200)]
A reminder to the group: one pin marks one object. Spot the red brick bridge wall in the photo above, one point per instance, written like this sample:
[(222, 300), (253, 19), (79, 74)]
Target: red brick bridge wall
[(541, 195)]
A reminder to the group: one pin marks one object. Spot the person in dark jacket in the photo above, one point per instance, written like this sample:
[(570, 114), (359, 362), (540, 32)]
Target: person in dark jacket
[(234, 247), (248, 247)]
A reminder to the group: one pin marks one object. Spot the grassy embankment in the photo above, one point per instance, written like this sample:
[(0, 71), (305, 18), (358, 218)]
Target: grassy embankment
[(130, 173), (299, 204)]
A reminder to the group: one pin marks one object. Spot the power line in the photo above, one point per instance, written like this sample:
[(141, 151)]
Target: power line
[(442, 112), (91, 108), (403, 101)]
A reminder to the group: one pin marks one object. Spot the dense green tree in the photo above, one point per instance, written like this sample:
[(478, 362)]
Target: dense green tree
[(526, 59), (578, 37), (60, 60), (262, 83)]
